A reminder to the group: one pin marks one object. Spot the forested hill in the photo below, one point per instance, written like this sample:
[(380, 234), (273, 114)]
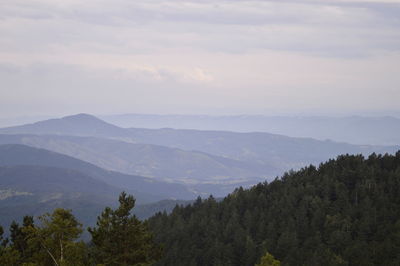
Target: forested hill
[(345, 212)]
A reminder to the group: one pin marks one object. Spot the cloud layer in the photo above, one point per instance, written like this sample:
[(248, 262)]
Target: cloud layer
[(198, 56)]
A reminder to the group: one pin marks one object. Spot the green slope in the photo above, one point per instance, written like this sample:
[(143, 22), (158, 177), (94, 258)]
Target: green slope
[(345, 212)]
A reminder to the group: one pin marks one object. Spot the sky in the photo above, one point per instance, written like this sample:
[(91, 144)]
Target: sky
[(60, 57)]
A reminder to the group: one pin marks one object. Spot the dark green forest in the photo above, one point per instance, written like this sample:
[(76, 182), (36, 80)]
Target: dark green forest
[(345, 212)]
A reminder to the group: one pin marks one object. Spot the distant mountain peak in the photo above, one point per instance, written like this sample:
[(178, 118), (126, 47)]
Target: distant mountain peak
[(81, 116), (85, 120), (80, 124)]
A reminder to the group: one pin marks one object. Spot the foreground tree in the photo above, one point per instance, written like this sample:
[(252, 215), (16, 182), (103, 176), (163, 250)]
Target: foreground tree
[(268, 260), (55, 239), (121, 239)]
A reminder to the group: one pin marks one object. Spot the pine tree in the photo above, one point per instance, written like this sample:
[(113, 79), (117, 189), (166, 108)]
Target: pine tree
[(121, 239)]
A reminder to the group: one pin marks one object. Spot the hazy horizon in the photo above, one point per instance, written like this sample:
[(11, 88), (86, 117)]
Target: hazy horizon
[(15, 120)]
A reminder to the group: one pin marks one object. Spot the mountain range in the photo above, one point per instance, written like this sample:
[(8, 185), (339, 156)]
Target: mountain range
[(377, 130), (248, 154)]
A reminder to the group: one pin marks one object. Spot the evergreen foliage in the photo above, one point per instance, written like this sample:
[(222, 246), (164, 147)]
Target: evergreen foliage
[(122, 239), (345, 212)]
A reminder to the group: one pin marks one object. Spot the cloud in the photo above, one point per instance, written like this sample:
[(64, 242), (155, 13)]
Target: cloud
[(318, 27), (160, 54)]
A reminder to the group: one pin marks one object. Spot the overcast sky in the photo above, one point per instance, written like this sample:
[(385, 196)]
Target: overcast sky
[(60, 57)]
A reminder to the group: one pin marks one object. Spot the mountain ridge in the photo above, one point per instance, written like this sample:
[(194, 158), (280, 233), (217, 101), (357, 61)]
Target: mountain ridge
[(355, 129)]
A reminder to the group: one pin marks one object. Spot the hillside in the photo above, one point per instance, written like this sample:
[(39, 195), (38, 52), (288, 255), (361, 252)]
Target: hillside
[(145, 189), (345, 212)]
